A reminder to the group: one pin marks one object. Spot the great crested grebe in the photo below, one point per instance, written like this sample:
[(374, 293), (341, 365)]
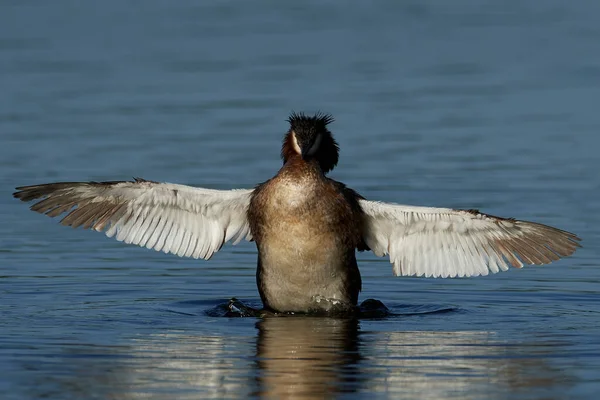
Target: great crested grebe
[(306, 226)]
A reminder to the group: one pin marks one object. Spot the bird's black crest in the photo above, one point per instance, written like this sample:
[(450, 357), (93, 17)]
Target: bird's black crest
[(301, 121)]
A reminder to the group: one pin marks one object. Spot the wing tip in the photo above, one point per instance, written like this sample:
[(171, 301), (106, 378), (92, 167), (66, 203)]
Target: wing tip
[(27, 193)]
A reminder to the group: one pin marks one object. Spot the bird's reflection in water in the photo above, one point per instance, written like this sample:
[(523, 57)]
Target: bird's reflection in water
[(462, 365), (306, 357)]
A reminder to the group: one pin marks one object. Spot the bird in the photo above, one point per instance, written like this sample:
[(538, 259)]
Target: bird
[(306, 226)]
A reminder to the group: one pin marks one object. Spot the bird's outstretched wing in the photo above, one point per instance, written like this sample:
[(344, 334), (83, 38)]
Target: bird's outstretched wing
[(442, 242), (177, 219)]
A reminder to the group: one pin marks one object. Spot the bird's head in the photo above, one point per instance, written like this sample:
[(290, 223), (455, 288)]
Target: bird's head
[(309, 138)]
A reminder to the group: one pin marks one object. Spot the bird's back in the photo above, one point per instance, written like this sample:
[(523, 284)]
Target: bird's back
[(306, 228)]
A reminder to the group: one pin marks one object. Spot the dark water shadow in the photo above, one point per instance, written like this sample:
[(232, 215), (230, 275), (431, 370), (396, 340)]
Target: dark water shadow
[(368, 309), (406, 310)]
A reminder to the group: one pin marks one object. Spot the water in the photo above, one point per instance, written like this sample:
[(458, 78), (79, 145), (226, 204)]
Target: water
[(471, 105)]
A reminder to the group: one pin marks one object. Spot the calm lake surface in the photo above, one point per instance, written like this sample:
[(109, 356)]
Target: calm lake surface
[(467, 104)]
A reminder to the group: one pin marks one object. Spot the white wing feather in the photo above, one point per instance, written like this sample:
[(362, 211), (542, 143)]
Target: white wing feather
[(178, 219), (442, 242)]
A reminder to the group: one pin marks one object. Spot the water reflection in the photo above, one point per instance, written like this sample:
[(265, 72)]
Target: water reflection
[(465, 365), (306, 358), (186, 366)]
